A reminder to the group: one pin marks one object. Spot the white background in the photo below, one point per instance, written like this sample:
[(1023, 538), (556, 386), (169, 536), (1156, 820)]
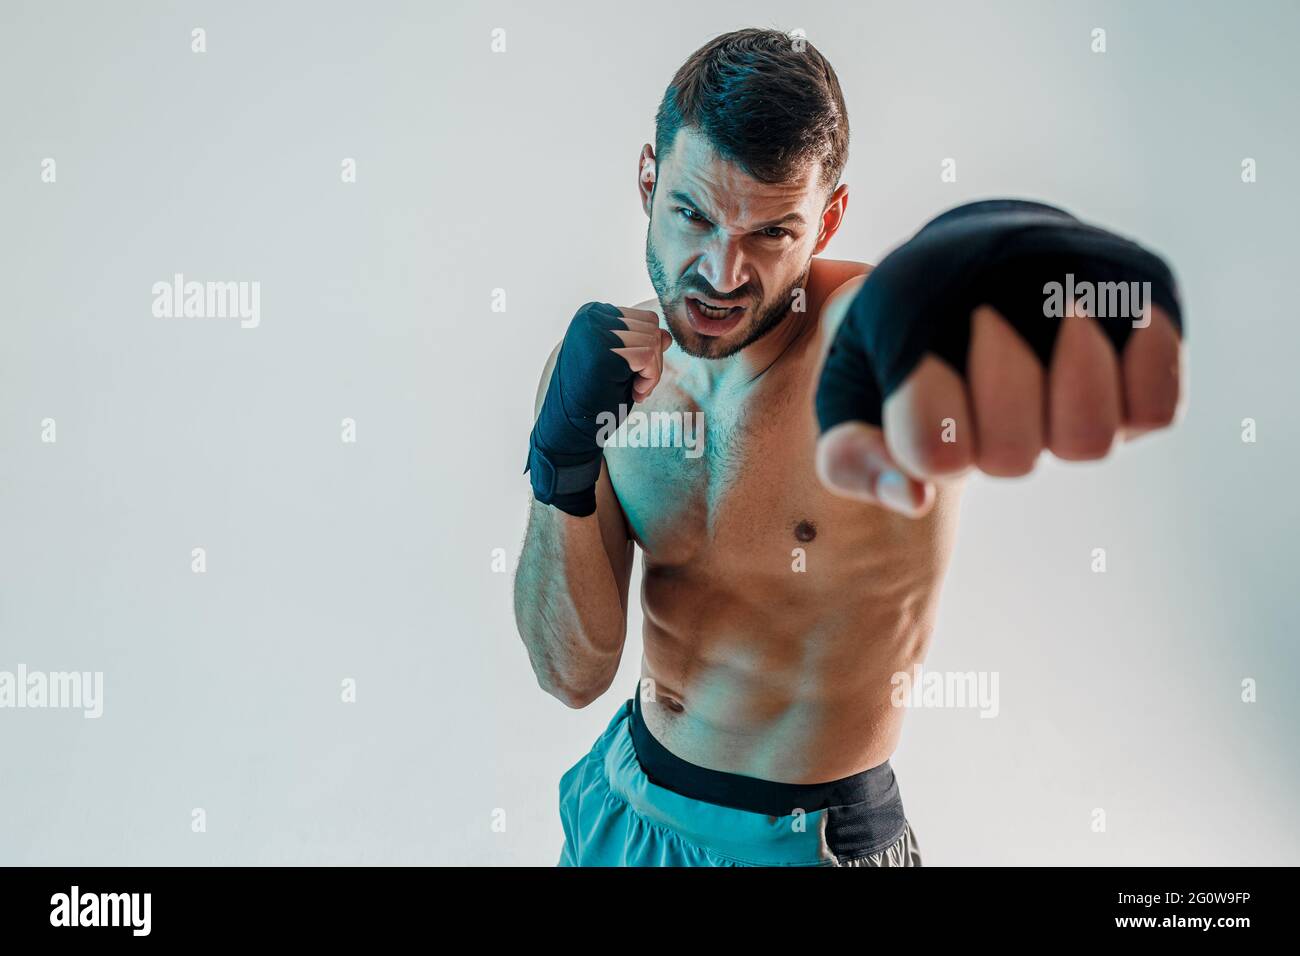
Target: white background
[(372, 561)]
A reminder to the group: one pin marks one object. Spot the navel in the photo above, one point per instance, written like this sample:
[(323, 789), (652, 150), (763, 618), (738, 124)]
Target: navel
[(805, 530)]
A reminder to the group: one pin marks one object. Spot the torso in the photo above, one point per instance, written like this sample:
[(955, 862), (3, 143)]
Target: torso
[(775, 612)]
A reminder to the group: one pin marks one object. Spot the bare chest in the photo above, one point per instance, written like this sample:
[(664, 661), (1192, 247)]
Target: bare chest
[(728, 485)]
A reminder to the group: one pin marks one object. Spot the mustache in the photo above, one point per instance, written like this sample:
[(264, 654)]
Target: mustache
[(734, 297)]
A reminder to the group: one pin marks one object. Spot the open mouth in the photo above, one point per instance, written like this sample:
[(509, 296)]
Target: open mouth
[(713, 320), (716, 311)]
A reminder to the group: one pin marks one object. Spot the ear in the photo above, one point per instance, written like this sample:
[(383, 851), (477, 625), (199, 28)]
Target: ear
[(646, 171), (832, 217)]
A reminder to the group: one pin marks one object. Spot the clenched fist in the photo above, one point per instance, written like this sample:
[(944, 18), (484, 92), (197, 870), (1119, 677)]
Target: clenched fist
[(609, 358), (1002, 329)]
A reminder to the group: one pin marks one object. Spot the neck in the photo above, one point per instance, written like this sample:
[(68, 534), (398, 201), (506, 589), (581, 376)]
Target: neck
[(748, 366), (778, 347)]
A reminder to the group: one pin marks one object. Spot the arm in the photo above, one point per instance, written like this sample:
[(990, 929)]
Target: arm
[(1002, 329), (836, 307), (571, 590)]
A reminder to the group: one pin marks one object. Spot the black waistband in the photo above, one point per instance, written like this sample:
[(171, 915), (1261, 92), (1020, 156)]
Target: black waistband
[(871, 793)]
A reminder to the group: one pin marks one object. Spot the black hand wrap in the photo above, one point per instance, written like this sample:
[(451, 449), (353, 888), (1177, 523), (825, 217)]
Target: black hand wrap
[(1001, 252), (565, 451)]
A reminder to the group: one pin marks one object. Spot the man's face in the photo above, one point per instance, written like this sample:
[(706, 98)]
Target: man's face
[(719, 236)]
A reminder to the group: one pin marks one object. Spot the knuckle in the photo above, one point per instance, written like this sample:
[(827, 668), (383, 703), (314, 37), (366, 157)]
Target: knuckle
[(1083, 444), (1153, 419), (937, 456), (1007, 459)]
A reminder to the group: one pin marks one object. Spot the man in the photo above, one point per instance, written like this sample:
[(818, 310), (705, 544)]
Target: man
[(793, 568)]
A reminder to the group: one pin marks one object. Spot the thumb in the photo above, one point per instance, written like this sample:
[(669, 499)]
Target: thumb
[(854, 462)]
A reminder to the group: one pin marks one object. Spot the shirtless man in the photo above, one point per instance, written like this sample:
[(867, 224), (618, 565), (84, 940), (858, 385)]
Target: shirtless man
[(792, 569)]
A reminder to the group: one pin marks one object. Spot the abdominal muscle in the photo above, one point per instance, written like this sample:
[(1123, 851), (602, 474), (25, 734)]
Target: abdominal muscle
[(758, 668), (782, 682)]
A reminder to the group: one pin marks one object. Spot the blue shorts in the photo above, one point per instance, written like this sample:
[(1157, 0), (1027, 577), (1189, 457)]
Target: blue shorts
[(630, 802)]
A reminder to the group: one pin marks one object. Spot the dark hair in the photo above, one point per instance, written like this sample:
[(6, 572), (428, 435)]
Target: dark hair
[(765, 100)]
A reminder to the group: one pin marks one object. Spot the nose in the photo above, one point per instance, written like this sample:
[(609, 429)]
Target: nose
[(722, 265)]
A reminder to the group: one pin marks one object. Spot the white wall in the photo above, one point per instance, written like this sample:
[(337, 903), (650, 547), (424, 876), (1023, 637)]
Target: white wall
[(373, 561)]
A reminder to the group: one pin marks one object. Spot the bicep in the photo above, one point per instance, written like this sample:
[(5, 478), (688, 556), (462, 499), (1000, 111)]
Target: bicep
[(614, 533)]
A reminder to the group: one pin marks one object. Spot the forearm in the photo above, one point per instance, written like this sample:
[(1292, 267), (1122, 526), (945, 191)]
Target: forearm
[(568, 605)]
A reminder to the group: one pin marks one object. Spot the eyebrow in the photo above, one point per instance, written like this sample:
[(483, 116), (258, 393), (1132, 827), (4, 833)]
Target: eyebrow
[(678, 196)]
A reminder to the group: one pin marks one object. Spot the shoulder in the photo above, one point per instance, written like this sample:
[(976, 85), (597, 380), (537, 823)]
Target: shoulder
[(842, 279)]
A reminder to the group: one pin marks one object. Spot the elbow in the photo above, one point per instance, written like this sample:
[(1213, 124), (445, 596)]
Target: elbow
[(573, 696), (574, 679), (574, 700), (569, 668), (572, 690)]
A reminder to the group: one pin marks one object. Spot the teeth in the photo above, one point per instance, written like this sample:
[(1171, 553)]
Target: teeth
[(712, 312)]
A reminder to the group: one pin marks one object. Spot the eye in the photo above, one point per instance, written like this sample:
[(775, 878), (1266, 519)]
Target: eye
[(690, 214), (779, 232)]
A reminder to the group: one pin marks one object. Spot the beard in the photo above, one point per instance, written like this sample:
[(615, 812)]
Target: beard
[(764, 315)]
